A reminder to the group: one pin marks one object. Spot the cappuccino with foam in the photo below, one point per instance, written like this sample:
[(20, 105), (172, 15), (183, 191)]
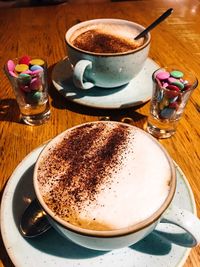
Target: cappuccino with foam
[(103, 52), (103, 176)]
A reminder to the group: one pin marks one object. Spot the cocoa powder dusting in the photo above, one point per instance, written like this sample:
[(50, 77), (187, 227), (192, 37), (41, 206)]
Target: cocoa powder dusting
[(88, 156), (99, 42)]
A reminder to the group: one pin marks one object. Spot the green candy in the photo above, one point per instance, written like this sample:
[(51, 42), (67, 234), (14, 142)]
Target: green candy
[(24, 78), (34, 97), (179, 84), (176, 74)]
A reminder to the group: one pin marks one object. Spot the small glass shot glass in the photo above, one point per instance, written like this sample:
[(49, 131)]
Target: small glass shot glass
[(172, 89), (29, 83)]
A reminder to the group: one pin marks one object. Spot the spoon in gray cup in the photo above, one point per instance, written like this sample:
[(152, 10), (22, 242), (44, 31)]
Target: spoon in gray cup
[(155, 23)]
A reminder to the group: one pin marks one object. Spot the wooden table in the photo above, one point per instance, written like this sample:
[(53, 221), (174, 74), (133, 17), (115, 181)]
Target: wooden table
[(40, 31)]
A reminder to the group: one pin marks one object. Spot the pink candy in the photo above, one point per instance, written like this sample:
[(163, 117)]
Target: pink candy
[(36, 72), (12, 74), (27, 72), (171, 80), (162, 75), (35, 84), (11, 66)]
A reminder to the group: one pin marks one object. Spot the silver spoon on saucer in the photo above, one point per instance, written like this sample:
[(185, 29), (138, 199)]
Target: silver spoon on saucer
[(154, 24), (34, 221)]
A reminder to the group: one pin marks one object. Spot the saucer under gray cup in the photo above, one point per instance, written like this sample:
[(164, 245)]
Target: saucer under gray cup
[(106, 70), (129, 95)]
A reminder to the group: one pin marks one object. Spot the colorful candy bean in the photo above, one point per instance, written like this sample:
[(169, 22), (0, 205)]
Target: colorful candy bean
[(36, 67), (13, 74), (34, 97), (37, 61), (11, 65), (35, 84), (171, 80), (173, 87), (24, 78), (35, 72), (167, 113), (163, 75), (24, 60), (176, 74), (21, 67), (25, 88), (180, 85)]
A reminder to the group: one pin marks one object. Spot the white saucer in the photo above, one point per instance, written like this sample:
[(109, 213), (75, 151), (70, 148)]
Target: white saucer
[(136, 92), (51, 249)]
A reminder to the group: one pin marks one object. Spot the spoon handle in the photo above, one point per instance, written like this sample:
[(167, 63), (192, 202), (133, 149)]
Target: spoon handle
[(155, 23)]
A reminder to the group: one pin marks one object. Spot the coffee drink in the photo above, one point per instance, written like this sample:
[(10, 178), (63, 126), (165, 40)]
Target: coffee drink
[(103, 52), (103, 176), (106, 38)]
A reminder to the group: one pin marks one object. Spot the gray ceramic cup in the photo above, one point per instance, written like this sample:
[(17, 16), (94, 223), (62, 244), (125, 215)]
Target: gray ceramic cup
[(118, 238), (106, 70)]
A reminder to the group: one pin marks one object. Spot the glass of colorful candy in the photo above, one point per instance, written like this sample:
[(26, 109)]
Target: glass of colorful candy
[(28, 77), (171, 92)]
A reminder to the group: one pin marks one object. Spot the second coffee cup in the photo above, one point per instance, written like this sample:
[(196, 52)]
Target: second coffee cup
[(103, 52), (106, 185)]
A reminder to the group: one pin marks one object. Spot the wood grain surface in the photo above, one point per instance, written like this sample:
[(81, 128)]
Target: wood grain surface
[(40, 31)]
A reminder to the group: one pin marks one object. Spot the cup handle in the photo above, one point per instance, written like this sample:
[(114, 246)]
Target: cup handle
[(78, 73), (184, 219)]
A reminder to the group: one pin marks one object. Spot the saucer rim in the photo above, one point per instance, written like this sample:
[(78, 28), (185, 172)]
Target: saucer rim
[(14, 179), (107, 106)]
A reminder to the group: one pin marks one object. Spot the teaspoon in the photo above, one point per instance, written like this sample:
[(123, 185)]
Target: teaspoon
[(34, 221), (154, 24)]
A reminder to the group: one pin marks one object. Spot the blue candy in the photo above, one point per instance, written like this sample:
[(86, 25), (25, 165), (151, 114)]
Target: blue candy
[(160, 96), (167, 113), (36, 67)]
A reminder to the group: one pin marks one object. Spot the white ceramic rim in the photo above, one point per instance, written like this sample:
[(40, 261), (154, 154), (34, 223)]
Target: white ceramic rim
[(104, 20), (111, 233)]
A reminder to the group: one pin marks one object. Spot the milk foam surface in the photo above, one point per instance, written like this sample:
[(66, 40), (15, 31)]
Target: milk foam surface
[(120, 30), (127, 177), (124, 31)]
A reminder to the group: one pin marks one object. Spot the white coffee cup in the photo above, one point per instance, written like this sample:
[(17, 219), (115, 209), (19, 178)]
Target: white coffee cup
[(106, 69), (93, 172)]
